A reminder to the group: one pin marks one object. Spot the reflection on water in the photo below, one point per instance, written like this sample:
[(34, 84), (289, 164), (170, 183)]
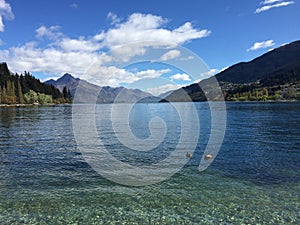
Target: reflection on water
[(254, 179)]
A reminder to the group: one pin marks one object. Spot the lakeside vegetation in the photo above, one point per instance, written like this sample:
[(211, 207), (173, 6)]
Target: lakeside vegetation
[(258, 92), (26, 89)]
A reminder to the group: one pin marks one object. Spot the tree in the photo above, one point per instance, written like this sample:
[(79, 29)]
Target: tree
[(266, 92), (0, 95), (256, 94), (13, 93), (290, 92), (31, 97), (44, 99), (10, 89), (20, 93), (4, 96), (65, 92)]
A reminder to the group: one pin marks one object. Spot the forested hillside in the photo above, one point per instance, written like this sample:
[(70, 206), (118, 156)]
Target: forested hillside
[(26, 89)]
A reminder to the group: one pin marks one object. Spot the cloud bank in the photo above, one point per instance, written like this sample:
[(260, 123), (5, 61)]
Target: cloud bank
[(53, 53)]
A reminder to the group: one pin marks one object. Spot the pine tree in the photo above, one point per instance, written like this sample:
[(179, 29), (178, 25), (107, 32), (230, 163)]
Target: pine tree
[(10, 91), (4, 96), (20, 93), (65, 92), (0, 95)]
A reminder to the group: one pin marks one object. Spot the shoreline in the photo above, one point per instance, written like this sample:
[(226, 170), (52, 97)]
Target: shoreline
[(53, 104), (269, 101), (28, 105)]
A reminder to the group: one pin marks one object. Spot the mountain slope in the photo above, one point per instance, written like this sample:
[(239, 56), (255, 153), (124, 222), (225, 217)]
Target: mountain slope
[(107, 94), (283, 57), (280, 66)]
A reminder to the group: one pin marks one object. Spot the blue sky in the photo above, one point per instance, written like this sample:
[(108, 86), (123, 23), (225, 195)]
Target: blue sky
[(50, 38)]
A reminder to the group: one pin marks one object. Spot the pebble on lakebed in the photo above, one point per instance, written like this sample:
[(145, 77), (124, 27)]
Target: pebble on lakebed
[(208, 157), (189, 155)]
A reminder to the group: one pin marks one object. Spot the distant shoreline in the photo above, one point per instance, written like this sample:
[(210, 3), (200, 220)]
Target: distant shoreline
[(270, 101), (68, 104)]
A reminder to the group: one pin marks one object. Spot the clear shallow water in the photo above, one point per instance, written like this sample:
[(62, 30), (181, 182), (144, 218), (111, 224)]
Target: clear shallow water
[(254, 179)]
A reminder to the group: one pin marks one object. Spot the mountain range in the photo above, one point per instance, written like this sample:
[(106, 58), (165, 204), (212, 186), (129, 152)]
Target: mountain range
[(107, 94)]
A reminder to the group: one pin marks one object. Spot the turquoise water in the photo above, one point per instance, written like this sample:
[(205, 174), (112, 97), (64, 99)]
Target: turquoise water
[(254, 179)]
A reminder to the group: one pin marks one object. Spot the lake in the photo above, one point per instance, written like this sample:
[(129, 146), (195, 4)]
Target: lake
[(254, 179)]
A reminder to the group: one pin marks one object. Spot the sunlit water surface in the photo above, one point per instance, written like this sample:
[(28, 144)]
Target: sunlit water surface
[(255, 178)]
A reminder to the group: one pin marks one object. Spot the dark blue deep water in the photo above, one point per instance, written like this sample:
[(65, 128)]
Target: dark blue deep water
[(255, 179)]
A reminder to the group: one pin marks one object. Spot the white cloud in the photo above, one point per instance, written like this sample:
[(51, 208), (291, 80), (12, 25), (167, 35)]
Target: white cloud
[(260, 45), (114, 18), (151, 73), (126, 52), (75, 55), (179, 76), (111, 76), (172, 54), (74, 6), (5, 12), (50, 60), (208, 74), (147, 27), (186, 58), (80, 45), (162, 89), (266, 2), (52, 32), (269, 4), (114, 76)]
